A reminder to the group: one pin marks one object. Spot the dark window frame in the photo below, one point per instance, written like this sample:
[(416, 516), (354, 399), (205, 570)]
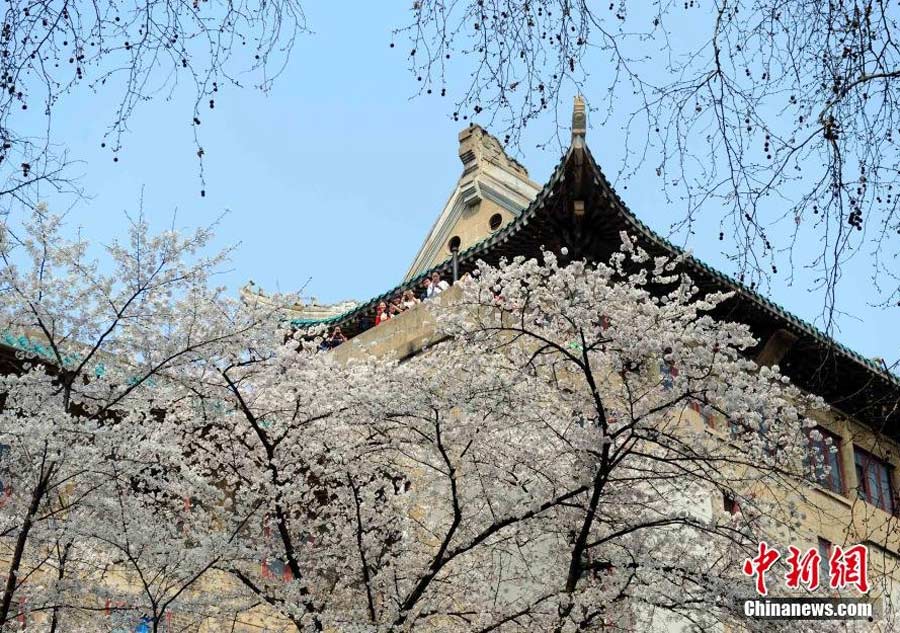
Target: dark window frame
[(864, 462), (730, 504), (825, 548), (832, 459)]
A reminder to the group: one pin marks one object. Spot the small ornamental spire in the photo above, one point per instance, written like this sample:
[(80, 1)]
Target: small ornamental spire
[(579, 122)]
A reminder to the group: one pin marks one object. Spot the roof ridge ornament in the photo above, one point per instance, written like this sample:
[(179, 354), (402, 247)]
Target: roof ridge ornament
[(478, 147), (579, 122)]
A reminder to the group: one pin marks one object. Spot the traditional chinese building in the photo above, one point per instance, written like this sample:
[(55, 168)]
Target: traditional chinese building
[(497, 211)]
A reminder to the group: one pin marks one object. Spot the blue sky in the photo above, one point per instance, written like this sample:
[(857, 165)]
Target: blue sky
[(337, 174)]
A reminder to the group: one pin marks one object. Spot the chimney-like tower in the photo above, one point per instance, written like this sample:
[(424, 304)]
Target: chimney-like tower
[(493, 189)]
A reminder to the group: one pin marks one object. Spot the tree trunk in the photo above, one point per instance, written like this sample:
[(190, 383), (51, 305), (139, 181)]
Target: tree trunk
[(54, 618), (16, 561)]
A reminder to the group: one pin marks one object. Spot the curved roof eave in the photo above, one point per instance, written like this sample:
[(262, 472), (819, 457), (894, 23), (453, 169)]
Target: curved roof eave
[(642, 231)]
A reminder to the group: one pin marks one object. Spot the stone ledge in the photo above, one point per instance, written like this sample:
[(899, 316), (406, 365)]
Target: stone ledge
[(402, 336)]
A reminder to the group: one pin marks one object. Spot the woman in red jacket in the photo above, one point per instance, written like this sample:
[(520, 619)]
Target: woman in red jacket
[(382, 314)]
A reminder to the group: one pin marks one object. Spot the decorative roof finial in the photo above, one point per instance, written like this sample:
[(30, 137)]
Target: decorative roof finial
[(579, 122)]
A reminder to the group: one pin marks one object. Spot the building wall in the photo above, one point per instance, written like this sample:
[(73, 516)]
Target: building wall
[(471, 226)]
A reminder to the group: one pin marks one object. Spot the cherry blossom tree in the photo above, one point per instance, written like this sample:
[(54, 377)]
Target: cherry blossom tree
[(654, 413), (82, 442), (159, 540), (560, 462)]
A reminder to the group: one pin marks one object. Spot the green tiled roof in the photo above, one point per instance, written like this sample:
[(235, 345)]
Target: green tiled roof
[(25, 344)]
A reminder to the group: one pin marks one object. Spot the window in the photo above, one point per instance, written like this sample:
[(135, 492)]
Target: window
[(5, 474), (741, 429), (824, 546), (874, 480), (824, 455), (668, 372), (729, 503), (273, 567), (495, 221)]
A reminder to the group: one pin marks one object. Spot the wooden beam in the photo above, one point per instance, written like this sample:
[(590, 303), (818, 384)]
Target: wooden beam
[(776, 348)]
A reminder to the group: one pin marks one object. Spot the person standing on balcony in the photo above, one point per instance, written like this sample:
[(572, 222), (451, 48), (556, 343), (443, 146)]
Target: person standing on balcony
[(337, 337), (437, 285), (409, 300), (381, 315)]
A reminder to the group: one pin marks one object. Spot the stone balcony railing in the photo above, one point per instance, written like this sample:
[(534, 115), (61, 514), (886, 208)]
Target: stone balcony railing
[(402, 336)]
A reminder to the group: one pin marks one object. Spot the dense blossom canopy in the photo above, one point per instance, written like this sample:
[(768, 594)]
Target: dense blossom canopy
[(556, 464)]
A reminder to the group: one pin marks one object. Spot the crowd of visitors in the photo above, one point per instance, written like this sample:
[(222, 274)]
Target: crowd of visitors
[(434, 285), (333, 340), (431, 287)]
